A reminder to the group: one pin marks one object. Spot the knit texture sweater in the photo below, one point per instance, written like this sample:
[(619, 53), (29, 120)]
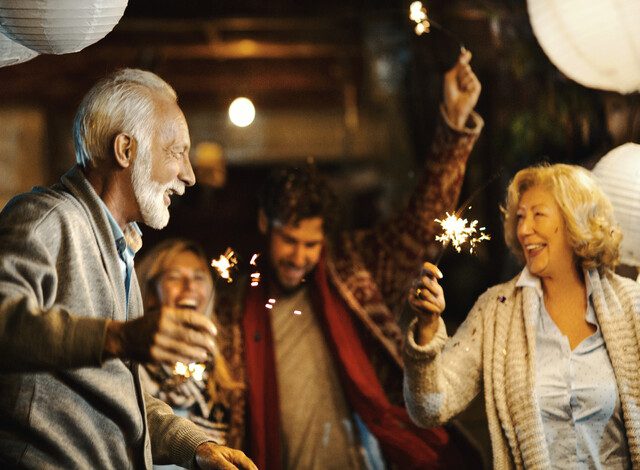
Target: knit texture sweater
[(494, 350)]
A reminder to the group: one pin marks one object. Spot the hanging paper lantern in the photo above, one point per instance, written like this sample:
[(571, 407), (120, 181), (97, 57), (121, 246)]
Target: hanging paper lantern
[(59, 26), (12, 53), (594, 42), (618, 174)]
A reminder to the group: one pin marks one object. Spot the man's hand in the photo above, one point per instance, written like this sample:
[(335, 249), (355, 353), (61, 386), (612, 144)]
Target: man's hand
[(461, 91), (166, 335), (210, 456), (426, 298)]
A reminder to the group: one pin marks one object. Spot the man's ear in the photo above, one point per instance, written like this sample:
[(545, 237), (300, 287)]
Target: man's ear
[(124, 149), (263, 222)]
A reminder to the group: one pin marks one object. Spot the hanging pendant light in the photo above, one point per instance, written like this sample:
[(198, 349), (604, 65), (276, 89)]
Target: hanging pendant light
[(594, 42), (12, 53), (59, 26)]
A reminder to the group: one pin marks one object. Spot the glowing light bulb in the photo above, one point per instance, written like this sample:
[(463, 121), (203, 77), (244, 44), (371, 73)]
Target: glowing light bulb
[(242, 112)]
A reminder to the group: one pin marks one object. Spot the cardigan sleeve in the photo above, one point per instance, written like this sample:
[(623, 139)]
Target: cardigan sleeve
[(37, 333), (173, 439), (443, 376)]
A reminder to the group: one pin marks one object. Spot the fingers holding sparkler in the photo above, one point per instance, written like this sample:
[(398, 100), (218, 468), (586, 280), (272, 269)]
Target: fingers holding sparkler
[(426, 298), (461, 90), (427, 294)]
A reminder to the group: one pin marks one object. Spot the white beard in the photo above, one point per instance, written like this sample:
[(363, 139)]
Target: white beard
[(150, 194)]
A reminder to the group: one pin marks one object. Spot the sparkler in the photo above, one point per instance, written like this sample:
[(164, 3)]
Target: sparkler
[(225, 263), (255, 281), (418, 14), (255, 276), (458, 232), (194, 370)]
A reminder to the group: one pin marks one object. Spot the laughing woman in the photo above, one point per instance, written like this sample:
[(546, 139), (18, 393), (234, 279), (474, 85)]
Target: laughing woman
[(176, 274), (555, 350)]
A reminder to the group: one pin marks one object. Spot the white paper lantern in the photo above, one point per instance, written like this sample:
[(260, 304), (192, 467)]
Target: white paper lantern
[(12, 53), (594, 42), (618, 174), (59, 26)]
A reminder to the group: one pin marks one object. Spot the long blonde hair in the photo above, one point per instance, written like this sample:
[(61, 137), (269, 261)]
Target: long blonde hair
[(593, 232), (150, 269)]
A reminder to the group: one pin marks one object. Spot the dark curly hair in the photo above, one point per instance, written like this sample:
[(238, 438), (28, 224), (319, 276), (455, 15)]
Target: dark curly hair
[(291, 194)]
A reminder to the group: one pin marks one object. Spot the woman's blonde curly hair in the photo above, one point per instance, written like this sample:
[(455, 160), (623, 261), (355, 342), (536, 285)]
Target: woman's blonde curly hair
[(593, 232)]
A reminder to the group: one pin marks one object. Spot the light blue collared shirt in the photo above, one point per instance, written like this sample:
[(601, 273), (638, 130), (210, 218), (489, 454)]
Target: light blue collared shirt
[(577, 393), (126, 254)]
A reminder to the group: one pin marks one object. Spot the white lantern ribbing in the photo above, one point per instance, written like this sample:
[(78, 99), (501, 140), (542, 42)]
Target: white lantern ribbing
[(59, 26), (594, 42), (12, 53), (618, 174)]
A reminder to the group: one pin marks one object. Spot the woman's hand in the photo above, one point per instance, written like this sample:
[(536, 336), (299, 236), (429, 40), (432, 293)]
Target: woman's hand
[(426, 298), (461, 91)]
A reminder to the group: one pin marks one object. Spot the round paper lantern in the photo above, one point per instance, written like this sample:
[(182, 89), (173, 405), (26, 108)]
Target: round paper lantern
[(594, 42), (59, 26), (618, 174), (12, 53)]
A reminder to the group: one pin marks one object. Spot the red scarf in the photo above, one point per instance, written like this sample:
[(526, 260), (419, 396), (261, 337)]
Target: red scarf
[(402, 442)]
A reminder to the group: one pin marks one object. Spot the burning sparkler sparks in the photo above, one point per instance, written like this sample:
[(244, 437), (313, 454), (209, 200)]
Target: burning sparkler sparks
[(225, 263), (459, 232), (194, 370), (255, 276), (418, 14)]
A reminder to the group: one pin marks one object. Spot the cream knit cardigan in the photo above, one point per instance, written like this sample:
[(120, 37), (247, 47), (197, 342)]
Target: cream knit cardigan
[(495, 348)]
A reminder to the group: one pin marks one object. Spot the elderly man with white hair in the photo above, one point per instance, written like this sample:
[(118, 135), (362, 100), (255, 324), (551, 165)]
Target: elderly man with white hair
[(618, 173), (72, 329)]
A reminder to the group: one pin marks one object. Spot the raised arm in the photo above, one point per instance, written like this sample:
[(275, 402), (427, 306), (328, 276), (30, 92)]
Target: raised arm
[(393, 252)]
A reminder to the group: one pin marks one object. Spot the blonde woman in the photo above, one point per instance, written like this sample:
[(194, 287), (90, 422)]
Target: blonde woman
[(555, 350), (176, 274)]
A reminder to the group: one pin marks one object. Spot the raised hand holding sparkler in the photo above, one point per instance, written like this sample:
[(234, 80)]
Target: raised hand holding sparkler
[(461, 90)]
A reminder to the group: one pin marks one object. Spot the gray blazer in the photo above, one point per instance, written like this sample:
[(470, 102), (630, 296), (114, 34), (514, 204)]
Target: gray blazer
[(61, 404)]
